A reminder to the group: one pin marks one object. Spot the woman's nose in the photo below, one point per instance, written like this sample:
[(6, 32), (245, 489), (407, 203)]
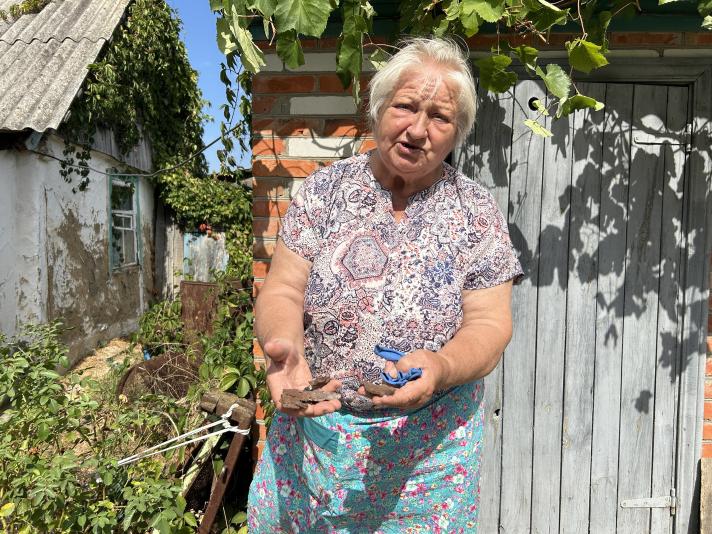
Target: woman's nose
[(418, 128)]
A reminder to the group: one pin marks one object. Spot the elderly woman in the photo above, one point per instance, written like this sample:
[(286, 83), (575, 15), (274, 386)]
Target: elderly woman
[(397, 249)]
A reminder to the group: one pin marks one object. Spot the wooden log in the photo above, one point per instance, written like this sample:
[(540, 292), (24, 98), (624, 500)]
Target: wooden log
[(218, 402)]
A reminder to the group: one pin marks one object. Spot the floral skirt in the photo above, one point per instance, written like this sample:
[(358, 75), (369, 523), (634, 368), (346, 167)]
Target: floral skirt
[(350, 473)]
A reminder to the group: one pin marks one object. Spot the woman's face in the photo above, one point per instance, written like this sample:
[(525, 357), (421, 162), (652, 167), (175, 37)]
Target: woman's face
[(417, 126)]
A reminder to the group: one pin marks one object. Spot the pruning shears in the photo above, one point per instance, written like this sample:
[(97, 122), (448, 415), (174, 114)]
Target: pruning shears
[(393, 355)]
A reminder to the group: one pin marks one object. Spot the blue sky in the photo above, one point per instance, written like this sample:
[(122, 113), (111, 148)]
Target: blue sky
[(199, 37)]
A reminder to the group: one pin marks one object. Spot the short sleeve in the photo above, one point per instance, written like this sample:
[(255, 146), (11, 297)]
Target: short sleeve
[(302, 226), (494, 260)]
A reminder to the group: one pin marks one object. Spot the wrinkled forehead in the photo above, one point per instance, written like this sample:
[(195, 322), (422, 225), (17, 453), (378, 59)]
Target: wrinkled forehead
[(425, 82)]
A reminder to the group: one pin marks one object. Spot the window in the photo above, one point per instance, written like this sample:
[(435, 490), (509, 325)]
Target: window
[(123, 235)]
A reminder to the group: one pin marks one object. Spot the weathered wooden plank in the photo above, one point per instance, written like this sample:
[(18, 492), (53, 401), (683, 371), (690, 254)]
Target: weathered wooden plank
[(551, 326), (581, 314), (518, 366), (609, 324), (696, 272), (669, 316), (493, 141), (641, 308)]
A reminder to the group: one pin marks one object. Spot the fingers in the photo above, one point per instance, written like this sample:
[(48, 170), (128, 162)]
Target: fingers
[(391, 369), (315, 410)]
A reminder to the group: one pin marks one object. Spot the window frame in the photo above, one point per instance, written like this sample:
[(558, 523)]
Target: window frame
[(135, 216)]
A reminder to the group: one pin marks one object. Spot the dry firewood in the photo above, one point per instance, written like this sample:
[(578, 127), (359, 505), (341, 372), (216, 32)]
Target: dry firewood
[(378, 390)]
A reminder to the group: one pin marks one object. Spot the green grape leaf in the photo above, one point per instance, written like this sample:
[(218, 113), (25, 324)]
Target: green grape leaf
[(226, 41), (569, 105), (227, 381), (548, 5), (537, 128), (266, 7), (585, 56), (494, 75), (289, 49), (489, 10), (216, 5), (707, 22), (527, 56), (557, 81), (252, 57), (704, 7), (307, 17), (349, 58), (597, 28), (544, 18), (470, 23), (452, 9), (379, 58)]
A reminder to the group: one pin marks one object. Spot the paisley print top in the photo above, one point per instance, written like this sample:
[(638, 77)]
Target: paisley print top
[(374, 280)]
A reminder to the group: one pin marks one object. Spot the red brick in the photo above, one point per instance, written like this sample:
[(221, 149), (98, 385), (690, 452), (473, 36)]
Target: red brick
[(346, 128), (260, 269), (263, 249), (259, 411), (271, 187), (708, 362), (290, 83), (260, 363), (257, 349), (709, 344), (265, 227), (287, 127), (309, 43), (707, 450), (284, 167), (268, 146), (557, 40), (708, 410), (269, 208), (707, 431), (699, 39), (645, 38), (367, 145), (330, 83), (256, 286), (328, 43), (263, 104), (708, 388)]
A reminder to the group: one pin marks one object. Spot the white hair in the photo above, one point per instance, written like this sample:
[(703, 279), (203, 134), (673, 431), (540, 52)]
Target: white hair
[(415, 54)]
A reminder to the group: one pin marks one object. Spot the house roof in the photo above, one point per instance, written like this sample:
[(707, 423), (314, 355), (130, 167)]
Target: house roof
[(44, 59)]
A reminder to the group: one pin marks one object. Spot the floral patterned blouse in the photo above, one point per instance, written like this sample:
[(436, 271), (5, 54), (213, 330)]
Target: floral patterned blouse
[(375, 280)]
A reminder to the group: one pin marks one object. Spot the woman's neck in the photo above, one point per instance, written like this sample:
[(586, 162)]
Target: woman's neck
[(400, 187)]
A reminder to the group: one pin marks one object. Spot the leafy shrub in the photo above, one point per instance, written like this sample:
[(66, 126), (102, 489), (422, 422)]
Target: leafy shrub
[(60, 439)]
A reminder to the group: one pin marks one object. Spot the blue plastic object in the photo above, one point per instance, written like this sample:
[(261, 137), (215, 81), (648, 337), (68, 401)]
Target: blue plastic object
[(393, 355)]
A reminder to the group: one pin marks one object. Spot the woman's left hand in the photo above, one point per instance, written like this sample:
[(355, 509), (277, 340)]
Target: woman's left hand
[(417, 392)]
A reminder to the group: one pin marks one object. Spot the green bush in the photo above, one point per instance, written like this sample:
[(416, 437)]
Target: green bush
[(60, 439)]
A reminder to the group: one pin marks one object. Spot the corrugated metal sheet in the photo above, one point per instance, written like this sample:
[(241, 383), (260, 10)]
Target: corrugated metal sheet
[(44, 58)]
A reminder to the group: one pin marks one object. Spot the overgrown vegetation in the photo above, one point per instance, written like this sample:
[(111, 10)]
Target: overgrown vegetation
[(60, 438), (26, 7), (288, 22)]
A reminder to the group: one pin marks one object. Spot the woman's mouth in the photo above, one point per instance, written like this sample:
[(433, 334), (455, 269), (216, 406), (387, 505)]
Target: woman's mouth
[(408, 148)]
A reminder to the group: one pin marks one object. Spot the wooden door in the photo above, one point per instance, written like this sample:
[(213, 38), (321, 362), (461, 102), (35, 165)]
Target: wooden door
[(582, 412)]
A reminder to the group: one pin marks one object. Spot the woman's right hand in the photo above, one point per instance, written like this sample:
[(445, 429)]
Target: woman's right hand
[(287, 369)]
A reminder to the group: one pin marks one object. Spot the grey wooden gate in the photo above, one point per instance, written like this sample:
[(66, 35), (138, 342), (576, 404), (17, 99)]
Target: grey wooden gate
[(594, 405)]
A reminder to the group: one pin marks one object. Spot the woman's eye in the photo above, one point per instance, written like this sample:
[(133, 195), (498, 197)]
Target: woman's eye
[(402, 106)]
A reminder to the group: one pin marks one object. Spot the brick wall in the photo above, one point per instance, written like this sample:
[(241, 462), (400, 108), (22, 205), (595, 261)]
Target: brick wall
[(303, 119)]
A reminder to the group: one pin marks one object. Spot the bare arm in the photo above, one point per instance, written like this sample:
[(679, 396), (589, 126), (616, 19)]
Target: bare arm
[(279, 326), (472, 353)]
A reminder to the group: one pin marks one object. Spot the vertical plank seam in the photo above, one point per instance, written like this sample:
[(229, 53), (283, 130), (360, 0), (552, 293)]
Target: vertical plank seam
[(566, 315), (595, 330), (657, 317), (504, 363), (625, 271)]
